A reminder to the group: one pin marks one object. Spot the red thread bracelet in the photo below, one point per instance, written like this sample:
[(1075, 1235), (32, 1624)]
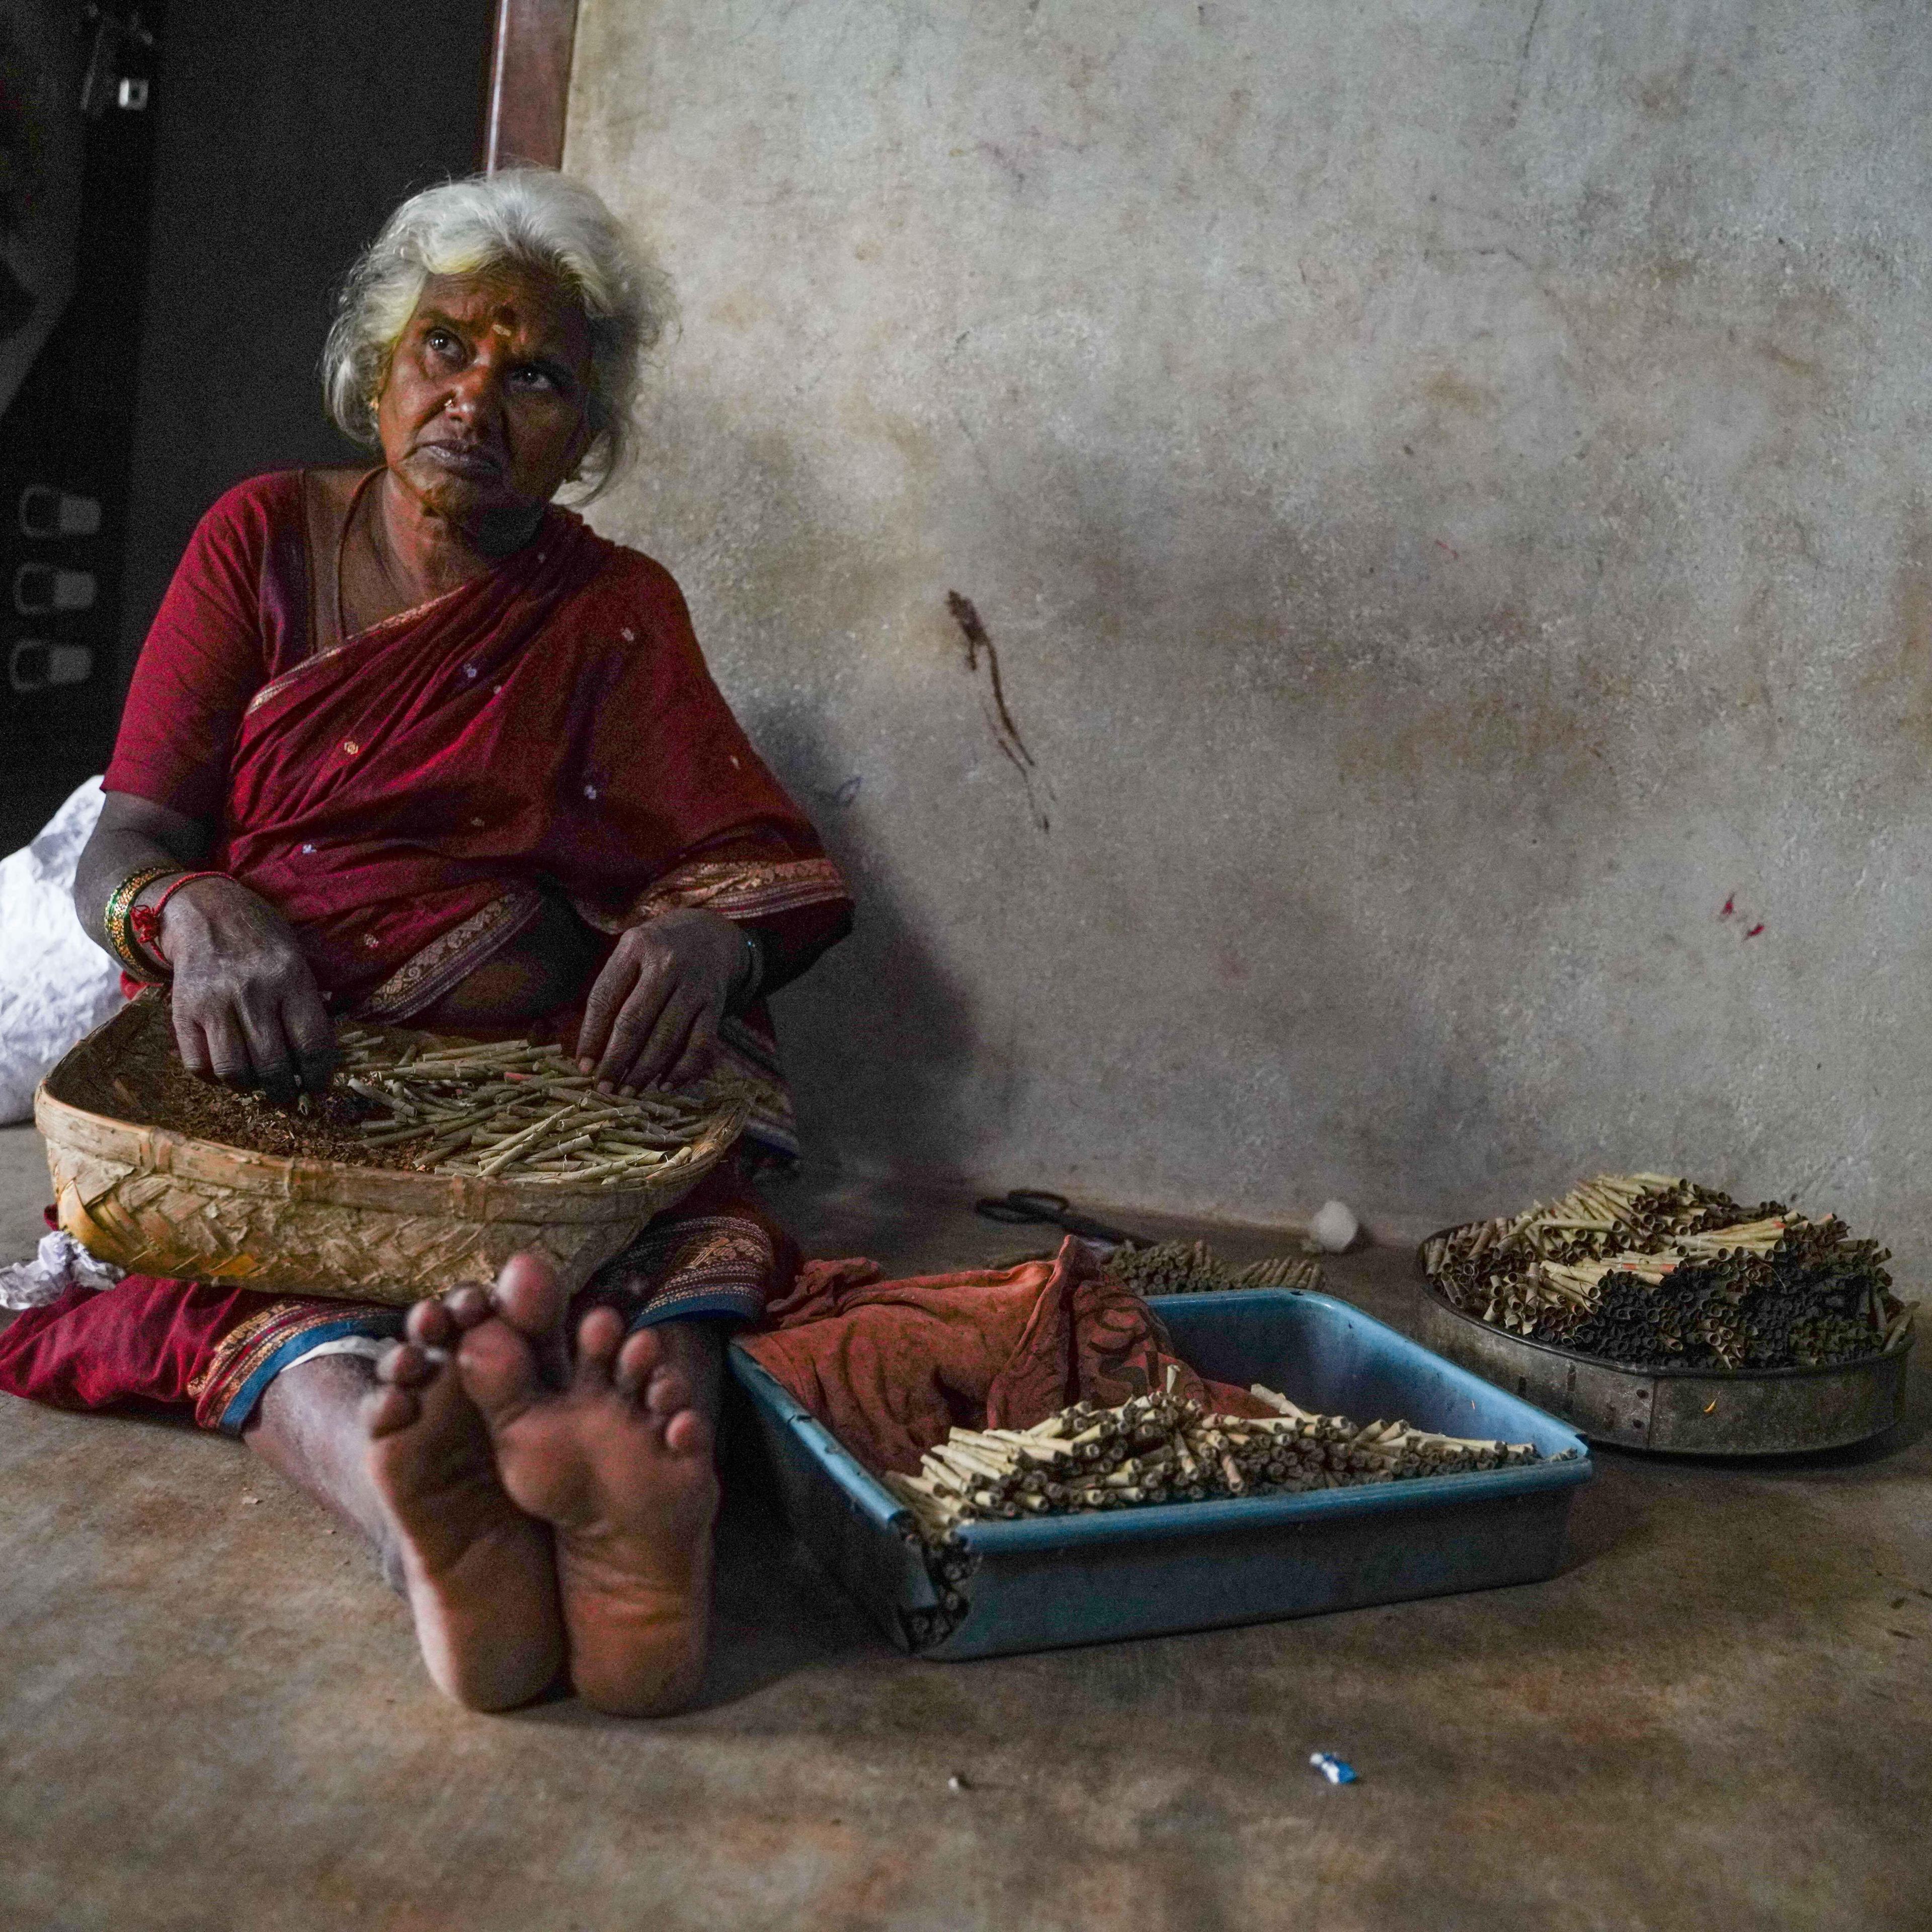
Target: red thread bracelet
[(146, 921)]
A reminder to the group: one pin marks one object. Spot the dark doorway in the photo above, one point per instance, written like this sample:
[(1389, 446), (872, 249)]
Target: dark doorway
[(217, 220), (77, 164)]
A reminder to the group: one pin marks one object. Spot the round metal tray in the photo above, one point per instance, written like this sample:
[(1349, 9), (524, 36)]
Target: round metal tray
[(1674, 1411)]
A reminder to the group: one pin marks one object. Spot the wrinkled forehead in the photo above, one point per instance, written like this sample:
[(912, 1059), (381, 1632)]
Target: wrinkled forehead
[(527, 311)]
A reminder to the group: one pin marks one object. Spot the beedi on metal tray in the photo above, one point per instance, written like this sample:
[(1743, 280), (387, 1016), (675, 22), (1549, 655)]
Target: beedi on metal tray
[(1652, 1312)]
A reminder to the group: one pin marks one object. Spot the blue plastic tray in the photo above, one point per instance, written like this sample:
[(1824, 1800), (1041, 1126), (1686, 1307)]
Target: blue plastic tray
[(1090, 1579)]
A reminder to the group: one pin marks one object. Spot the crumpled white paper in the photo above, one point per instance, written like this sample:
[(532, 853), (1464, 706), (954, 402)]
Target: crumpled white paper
[(58, 1264), (56, 986), (1334, 1227)]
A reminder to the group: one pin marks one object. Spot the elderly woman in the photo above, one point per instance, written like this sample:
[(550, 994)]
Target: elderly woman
[(414, 744)]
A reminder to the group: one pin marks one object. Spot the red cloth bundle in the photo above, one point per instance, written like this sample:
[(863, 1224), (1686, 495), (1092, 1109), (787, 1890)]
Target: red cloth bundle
[(889, 1367)]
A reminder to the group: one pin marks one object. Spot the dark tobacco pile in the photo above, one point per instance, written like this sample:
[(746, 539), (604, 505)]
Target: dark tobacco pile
[(1651, 1270), (148, 1084), (1193, 1268)]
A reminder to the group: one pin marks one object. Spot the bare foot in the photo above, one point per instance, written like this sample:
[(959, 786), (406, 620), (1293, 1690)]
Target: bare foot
[(479, 1574), (615, 1454)]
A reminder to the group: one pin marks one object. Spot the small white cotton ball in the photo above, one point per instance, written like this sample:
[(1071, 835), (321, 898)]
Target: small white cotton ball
[(1335, 1226)]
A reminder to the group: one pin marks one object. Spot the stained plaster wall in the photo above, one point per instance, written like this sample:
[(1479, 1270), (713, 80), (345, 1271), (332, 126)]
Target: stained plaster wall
[(1446, 485)]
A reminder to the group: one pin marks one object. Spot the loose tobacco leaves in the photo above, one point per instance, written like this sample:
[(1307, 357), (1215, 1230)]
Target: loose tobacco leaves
[(1192, 1268), (1651, 1270)]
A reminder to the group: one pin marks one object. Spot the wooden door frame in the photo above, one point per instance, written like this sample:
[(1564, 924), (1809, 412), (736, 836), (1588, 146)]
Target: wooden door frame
[(530, 83)]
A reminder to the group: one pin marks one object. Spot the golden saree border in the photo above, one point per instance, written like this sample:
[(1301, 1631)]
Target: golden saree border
[(733, 888), (433, 970), (256, 1350), (299, 673), (709, 1265)]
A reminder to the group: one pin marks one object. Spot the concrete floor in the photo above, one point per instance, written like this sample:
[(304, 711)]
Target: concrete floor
[(1716, 1717)]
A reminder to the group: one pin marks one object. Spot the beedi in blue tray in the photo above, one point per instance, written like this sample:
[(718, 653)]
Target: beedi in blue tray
[(1038, 1583)]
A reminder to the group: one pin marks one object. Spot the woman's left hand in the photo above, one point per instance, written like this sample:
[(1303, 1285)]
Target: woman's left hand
[(652, 1018)]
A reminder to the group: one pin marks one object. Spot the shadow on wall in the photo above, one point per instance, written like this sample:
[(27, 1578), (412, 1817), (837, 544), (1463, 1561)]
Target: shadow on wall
[(879, 1039), (900, 1068), (1375, 867)]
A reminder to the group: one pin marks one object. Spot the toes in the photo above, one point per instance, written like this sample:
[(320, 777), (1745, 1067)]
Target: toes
[(407, 1365), (499, 1372), (387, 1411), (438, 1321), (599, 1336), (642, 1352), (668, 1391), (663, 1385), (527, 1297), (688, 1433), (642, 1372), (429, 1323), (468, 1306)]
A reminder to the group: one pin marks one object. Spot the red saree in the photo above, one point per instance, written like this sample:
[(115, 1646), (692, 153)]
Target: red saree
[(406, 798), (153, 1345), (890, 1366)]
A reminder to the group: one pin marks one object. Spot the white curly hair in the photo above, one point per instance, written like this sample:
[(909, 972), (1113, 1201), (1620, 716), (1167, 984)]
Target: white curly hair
[(535, 217)]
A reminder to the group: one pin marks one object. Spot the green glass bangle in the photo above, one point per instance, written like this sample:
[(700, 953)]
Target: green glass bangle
[(119, 910)]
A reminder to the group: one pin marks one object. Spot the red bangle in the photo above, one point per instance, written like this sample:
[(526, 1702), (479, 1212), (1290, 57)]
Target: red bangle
[(146, 921)]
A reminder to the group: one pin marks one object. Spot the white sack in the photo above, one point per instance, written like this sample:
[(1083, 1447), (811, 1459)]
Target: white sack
[(58, 1264), (56, 986)]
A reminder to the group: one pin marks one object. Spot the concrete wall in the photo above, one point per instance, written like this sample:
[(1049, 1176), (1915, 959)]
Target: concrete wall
[(1445, 482)]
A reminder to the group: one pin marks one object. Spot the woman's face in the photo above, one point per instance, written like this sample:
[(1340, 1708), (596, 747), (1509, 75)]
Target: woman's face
[(483, 414)]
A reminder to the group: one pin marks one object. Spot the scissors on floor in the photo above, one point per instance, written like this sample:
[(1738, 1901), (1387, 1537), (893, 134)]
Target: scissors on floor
[(1029, 1206)]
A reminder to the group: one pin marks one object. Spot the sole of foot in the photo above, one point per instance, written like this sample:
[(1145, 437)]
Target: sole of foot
[(614, 1453), (480, 1573)]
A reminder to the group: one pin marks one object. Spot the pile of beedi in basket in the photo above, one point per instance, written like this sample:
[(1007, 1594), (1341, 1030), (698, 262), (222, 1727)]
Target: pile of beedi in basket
[(426, 1160), (513, 1110), (413, 1102), (1651, 1270), (1165, 1448)]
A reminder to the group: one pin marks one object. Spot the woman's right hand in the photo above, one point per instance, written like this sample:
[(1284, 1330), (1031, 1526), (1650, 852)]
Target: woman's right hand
[(247, 1008)]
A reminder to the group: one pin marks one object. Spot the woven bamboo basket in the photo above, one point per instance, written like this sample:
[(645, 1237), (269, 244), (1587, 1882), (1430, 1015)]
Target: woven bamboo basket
[(163, 1202)]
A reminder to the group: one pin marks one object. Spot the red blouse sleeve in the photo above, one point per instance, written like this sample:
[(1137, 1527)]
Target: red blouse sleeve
[(228, 616)]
